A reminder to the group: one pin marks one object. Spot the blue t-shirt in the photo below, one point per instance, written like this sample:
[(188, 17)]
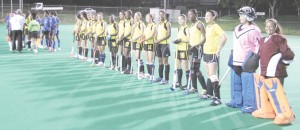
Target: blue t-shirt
[(52, 23), (6, 19), (46, 24), (57, 23)]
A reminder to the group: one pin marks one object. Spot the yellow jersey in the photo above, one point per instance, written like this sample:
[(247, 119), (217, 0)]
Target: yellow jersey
[(127, 29), (162, 31), (212, 35), (195, 34), (77, 26), (112, 29), (121, 26), (182, 34), (100, 28), (138, 30), (148, 33), (27, 21), (83, 27)]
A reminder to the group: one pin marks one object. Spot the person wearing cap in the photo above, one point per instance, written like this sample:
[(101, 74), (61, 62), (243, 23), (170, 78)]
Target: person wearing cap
[(246, 36), (17, 25)]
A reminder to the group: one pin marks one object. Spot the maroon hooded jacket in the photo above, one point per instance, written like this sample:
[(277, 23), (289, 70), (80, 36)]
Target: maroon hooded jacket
[(275, 55)]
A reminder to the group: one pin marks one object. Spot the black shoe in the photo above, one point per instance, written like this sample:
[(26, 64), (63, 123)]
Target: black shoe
[(216, 102), (184, 87)]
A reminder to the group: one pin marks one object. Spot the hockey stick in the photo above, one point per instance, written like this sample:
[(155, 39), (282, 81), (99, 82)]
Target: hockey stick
[(189, 85), (173, 87), (224, 76), (151, 79)]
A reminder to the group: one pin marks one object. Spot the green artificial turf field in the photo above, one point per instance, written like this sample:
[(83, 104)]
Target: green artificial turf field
[(51, 91)]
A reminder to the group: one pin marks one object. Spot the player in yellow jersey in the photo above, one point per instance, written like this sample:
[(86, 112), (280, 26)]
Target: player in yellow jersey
[(100, 39), (215, 40), (149, 35), (92, 30), (27, 39), (137, 33), (162, 47), (126, 41), (112, 32), (83, 36), (76, 35), (182, 56), (121, 27), (197, 39)]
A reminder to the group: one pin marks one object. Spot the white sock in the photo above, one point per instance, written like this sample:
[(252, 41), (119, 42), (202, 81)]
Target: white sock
[(10, 45)]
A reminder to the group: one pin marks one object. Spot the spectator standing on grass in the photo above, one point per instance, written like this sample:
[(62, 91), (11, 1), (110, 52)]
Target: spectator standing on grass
[(17, 25)]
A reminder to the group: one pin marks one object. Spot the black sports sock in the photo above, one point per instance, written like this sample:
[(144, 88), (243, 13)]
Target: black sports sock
[(80, 50), (123, 62), (129, 63), (179, 75), (194, 80), (216, 89), (160, 71), (187, 75), (209, 87), (149, 69), (97, 57), (86, 52), (201, 80), (113, 60), (167, 72), (29, 44), (92, 53)]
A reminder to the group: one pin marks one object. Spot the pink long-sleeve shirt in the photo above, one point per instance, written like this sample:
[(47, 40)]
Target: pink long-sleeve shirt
[(245, 40)]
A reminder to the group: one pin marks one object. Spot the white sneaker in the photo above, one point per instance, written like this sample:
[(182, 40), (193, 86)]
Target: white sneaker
[(35, 51), (100, 64), (89, 60), (40, 46), (59, 49), (146, 75)]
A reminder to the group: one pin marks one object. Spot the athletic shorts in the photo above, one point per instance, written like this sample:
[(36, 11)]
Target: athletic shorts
[(120, 43), (210, 58), (83, 37), (77, 37), (52, 32), (34, 34), (182, 55), (196, 52), (45, 32), (101, 41), (113, 46), (92, 38), (148, 47), (163, 50), (126, 43), (9, 32), (137, 46)]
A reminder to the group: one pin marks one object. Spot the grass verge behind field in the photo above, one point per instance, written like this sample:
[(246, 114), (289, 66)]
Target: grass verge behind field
[(290, 24)]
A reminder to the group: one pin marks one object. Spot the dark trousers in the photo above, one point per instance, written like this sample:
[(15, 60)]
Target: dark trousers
[(17, 35)]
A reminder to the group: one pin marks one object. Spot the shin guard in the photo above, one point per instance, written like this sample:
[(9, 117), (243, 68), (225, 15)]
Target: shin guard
[(264, 107), (248, 92), (236, 91), (276, 94)]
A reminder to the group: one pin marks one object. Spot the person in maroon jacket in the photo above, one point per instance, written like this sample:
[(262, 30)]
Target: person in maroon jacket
[(275, 54)]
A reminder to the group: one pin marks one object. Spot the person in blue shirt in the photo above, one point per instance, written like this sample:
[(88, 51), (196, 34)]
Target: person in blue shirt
[(8, 29), (45, 29), (53, 25), (57, 30)]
